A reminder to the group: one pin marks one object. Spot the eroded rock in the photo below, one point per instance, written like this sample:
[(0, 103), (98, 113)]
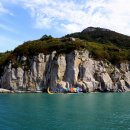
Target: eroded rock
[(62, 71)]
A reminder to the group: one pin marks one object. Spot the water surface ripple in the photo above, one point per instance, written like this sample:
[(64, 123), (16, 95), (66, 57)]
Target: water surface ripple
[(93, 111)]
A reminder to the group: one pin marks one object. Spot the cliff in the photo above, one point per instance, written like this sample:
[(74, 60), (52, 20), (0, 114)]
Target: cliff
[(60, 71), (95, 60)]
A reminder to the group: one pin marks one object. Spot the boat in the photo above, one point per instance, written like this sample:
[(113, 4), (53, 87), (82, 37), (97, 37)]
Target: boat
[(49, 92)]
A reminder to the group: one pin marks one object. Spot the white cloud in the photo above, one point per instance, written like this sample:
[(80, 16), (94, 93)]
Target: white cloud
[(70, 28), (56, 13), (7, 28), (75, 15), (3, 10)]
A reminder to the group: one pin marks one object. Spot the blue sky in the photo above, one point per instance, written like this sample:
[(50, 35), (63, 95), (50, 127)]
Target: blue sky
[(22, 20)]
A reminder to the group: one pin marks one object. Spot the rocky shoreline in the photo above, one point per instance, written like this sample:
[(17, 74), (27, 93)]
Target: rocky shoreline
[(2, 90), (5, 91)]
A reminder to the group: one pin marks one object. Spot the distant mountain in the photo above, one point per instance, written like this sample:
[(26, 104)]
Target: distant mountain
[(102, 35)]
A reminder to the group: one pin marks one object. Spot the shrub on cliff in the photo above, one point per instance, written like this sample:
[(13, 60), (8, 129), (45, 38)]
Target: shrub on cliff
[(3, 60), (47, 45)]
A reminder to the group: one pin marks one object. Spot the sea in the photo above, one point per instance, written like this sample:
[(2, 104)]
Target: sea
[(90, 111)]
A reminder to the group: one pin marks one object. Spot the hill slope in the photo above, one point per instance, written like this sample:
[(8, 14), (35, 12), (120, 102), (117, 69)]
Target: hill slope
[(103, 36)]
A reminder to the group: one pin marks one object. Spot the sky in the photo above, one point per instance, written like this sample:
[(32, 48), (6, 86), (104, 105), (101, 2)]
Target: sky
[(23, 20)]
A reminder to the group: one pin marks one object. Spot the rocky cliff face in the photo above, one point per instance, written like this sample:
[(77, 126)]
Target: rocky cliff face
[(75, 69)]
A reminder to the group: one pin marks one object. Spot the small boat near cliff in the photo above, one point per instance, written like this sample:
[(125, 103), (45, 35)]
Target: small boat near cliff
[(48, 91)]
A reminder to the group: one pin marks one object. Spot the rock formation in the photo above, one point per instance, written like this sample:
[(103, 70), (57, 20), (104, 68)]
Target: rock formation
[(75, 69)]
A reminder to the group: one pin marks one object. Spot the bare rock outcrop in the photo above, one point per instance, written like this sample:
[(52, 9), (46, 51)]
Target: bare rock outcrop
[(62, 71)]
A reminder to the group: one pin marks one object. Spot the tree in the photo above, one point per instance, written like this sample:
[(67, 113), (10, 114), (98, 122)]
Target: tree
[(46, 37)]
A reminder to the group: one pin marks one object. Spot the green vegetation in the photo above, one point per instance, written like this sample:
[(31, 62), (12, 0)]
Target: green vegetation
[(3, 59), (48, 45), (103, 36), (108, 52)]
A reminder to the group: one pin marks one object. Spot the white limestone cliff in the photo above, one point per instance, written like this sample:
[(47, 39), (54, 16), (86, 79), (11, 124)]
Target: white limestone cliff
[(75, 69)]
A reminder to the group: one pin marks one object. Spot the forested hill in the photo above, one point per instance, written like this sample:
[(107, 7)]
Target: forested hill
[(104, 36)]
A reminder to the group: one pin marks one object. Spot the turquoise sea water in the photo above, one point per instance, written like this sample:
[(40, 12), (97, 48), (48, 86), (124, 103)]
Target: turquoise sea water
[(94, 111)]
